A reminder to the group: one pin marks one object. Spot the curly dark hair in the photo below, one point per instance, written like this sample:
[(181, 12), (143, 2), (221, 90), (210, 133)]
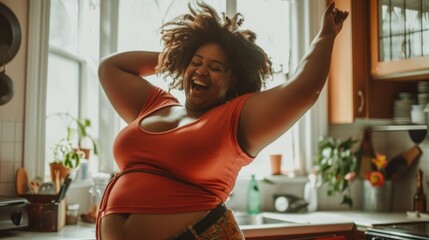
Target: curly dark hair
[(183, 35)]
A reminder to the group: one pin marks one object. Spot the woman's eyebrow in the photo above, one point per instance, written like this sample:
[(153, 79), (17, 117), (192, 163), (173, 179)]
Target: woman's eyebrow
[(213, 60)]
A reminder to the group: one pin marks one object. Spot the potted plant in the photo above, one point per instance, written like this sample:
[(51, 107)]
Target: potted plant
[(336, 164), (68, 151), (65, 158)]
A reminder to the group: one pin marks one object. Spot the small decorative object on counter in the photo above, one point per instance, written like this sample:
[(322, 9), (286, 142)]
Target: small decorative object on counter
[(276, 164), (72, 214), (253, 197), (419, 196)]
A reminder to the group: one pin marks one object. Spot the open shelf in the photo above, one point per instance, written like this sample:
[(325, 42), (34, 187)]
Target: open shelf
[(417, 132), (399, 127)]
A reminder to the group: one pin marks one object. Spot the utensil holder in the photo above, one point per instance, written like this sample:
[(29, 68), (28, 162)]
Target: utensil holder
[(44, 215)]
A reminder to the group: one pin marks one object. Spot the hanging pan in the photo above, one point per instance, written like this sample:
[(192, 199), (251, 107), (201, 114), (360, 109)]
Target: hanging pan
[(6, 89), (10, 37), (10, 41)]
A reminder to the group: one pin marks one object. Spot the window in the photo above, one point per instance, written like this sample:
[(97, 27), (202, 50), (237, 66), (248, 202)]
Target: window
[(72, 84)]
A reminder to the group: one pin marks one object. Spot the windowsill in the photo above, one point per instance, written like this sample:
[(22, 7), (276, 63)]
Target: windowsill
[(81, 184)]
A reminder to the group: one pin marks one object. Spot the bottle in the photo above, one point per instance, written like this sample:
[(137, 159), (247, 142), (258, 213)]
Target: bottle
[(420, 196), (366, 153), (253, 197), (310, 192)]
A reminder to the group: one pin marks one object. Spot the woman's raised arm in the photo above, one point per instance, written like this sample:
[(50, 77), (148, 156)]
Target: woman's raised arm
[(121, 76), (268, 114)]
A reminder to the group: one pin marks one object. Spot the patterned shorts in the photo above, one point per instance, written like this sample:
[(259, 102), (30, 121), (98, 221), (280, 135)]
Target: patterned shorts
[(226, 228)]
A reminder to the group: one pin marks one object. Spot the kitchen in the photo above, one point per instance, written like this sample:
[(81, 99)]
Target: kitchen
[(14, 113)]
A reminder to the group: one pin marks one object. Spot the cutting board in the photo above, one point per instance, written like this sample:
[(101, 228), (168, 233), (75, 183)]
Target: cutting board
[(21, 181)]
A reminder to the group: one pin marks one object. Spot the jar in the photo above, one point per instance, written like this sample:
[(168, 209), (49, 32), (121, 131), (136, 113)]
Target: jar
[(417, 114), (72, 214)]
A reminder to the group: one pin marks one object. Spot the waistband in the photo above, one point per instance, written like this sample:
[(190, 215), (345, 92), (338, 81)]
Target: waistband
[(205, 223)]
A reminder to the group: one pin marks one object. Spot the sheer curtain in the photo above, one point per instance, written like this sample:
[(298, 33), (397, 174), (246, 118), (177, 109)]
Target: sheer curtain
[(134, 24)]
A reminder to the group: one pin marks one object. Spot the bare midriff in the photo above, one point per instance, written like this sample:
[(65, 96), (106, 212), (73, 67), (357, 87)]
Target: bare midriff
[(147, 226)]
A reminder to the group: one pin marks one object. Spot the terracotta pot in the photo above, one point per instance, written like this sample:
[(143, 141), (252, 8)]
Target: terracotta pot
[(62, 170)]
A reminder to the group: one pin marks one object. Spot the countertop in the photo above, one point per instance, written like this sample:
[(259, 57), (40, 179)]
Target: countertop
[(332, 221), (297, 223), (79, 231)]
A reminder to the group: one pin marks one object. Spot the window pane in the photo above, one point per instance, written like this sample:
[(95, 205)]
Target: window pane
[(425, 26), (72, 85), (276, 44), (269, 13), (62, 97), (140, 20), (63, 26)]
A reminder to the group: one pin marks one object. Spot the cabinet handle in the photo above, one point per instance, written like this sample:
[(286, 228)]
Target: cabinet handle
[(362, 101)]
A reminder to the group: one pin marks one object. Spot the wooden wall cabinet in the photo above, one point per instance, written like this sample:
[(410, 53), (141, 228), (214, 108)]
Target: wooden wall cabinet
[(399, 39), (352, 92)]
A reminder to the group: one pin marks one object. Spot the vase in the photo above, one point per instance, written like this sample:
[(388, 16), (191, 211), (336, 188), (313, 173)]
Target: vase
[(377, 198)]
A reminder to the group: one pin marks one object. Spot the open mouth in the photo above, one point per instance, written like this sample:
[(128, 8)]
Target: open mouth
[(199, 85)]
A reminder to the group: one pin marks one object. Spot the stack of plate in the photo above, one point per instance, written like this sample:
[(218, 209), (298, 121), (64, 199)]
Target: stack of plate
[(423, 92), (402, 108)]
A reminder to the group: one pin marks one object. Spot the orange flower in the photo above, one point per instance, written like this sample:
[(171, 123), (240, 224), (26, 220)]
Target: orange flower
[(376, 178), (380, 161)]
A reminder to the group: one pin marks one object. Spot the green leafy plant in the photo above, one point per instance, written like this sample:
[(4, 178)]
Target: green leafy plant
[(80, 127), (336, 164), (65, 151)]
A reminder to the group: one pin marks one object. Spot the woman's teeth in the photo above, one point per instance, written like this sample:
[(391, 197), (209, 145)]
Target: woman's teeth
[(199, 84)]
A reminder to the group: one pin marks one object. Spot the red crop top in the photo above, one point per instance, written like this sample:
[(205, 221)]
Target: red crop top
[(204, 152)]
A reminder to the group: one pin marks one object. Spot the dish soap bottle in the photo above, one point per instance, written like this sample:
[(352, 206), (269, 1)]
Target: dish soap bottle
[(420, 196), (253, 197)]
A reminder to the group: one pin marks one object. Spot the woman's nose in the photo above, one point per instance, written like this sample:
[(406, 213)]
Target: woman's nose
[(202, 71)]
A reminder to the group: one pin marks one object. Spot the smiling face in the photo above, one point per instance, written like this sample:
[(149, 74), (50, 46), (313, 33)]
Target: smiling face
[(207, 78)]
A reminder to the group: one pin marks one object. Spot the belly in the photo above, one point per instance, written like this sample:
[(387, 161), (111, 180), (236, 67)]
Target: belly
[(147, 226), (149, 193)]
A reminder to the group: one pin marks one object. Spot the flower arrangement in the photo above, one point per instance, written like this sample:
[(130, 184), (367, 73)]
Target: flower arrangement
[(378, 175)]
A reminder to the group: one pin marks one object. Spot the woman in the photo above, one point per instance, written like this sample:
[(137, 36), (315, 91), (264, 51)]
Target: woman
[(179, 162)]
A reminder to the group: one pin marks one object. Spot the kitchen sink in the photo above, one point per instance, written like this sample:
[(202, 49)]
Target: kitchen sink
[(244, 218)]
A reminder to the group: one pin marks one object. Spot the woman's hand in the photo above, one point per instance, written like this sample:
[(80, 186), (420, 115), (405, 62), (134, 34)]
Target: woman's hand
[(332, 20)]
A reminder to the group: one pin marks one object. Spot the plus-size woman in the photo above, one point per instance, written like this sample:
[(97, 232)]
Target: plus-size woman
[(179, 163)]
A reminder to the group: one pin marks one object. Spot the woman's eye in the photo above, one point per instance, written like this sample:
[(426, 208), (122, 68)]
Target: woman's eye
[(217, 68), (195, 63)]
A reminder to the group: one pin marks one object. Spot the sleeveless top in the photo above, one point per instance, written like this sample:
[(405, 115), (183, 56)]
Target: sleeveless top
[(189, 168)]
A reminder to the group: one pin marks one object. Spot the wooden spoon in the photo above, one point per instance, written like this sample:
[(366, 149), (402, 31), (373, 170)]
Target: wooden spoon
[(21, 181)]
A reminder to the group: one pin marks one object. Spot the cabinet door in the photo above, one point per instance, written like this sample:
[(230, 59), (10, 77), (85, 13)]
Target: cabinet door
[(399, 39), (351, 90), (348, 78)]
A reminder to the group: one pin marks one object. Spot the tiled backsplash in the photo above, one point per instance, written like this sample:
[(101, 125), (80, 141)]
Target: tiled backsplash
[(11, 153)]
